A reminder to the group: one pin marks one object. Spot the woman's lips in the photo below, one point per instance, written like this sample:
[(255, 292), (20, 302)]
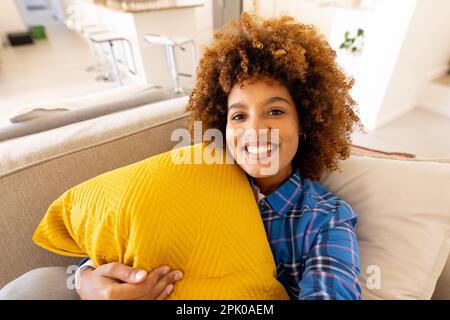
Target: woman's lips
[(260, 152)]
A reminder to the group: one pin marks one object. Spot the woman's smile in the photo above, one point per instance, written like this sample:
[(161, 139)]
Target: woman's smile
[(260, 151)]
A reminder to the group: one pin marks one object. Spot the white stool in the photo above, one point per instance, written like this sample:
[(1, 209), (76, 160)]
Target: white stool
[(110, 39), (171, 44), (87, 31), (76, 23)]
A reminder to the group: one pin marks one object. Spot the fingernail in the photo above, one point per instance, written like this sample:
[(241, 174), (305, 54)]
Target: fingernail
[(140, 275), (178, 276), (166, 269), (169, 288)]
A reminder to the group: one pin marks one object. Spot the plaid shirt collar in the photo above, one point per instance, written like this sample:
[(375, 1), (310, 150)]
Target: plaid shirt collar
[(286, 196)]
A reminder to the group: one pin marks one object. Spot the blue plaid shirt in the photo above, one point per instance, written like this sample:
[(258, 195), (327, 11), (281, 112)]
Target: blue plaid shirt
[(312, 236)]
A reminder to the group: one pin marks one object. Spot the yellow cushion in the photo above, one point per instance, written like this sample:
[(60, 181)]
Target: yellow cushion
[(199, 218)]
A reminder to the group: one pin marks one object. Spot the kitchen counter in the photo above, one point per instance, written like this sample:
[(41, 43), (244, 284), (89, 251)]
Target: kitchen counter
[(151, 5)]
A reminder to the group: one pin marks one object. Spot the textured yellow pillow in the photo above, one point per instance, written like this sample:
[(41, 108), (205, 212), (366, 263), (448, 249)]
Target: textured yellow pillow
[(199, 218)]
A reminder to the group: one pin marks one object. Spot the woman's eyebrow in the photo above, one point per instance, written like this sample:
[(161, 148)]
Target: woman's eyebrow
[(276, 99), (266, 102), (236, 105)]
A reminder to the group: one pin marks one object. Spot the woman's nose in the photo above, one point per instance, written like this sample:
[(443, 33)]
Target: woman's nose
[(256, 123), (257, 129)]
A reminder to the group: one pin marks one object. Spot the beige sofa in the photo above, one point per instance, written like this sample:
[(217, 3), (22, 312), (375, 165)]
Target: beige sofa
[(36, 169)]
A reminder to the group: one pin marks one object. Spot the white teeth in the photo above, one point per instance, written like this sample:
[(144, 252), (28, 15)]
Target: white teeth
[(259, 150)]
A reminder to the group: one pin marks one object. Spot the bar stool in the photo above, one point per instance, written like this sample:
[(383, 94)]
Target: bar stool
[(76, 23), (87, 31), (74, 17), (171, 44), (110, 39)]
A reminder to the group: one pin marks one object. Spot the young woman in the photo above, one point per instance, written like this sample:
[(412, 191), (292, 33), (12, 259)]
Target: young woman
[(273, 76)]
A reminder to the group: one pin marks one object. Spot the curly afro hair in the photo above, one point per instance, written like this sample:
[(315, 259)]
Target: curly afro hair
[(295, 55)]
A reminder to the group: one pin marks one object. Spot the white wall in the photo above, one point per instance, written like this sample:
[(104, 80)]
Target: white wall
[(204, 21), (304, 11), (10, 18), (425, 54), (266, 7), (385, 34)]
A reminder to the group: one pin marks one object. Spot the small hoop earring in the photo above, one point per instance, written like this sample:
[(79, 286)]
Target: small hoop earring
[(304, 136)]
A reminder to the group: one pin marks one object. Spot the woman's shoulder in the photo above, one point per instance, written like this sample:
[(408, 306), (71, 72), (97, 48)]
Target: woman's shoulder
[(318, 199)]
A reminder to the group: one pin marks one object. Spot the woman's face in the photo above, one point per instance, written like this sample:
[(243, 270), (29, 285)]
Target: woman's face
[(262, 105)]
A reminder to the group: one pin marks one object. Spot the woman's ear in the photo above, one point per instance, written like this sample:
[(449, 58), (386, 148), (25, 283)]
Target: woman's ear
[(301, 134)]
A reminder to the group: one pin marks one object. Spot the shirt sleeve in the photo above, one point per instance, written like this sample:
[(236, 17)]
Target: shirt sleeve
[(332, 267), (83, 261), (85, 264)]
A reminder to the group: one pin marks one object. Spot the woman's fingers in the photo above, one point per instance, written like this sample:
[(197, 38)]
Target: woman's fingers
[(116, 281), (122, 272), (151, 288), (165, 285), (166, 292), (128, 291), (122, 282)]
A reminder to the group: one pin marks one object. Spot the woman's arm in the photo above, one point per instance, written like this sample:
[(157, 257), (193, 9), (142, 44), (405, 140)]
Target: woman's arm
[(116, 281), (332, 268)]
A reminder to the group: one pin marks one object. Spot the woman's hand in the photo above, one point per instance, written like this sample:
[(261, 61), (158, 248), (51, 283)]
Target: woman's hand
[(116, 281)]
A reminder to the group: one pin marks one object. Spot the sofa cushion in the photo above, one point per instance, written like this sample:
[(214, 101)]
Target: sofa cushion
[(198, 218), (404, 223), (50, 283)]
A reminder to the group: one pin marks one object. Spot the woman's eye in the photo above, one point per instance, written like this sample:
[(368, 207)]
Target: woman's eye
[(276, 112), (238, 117)]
